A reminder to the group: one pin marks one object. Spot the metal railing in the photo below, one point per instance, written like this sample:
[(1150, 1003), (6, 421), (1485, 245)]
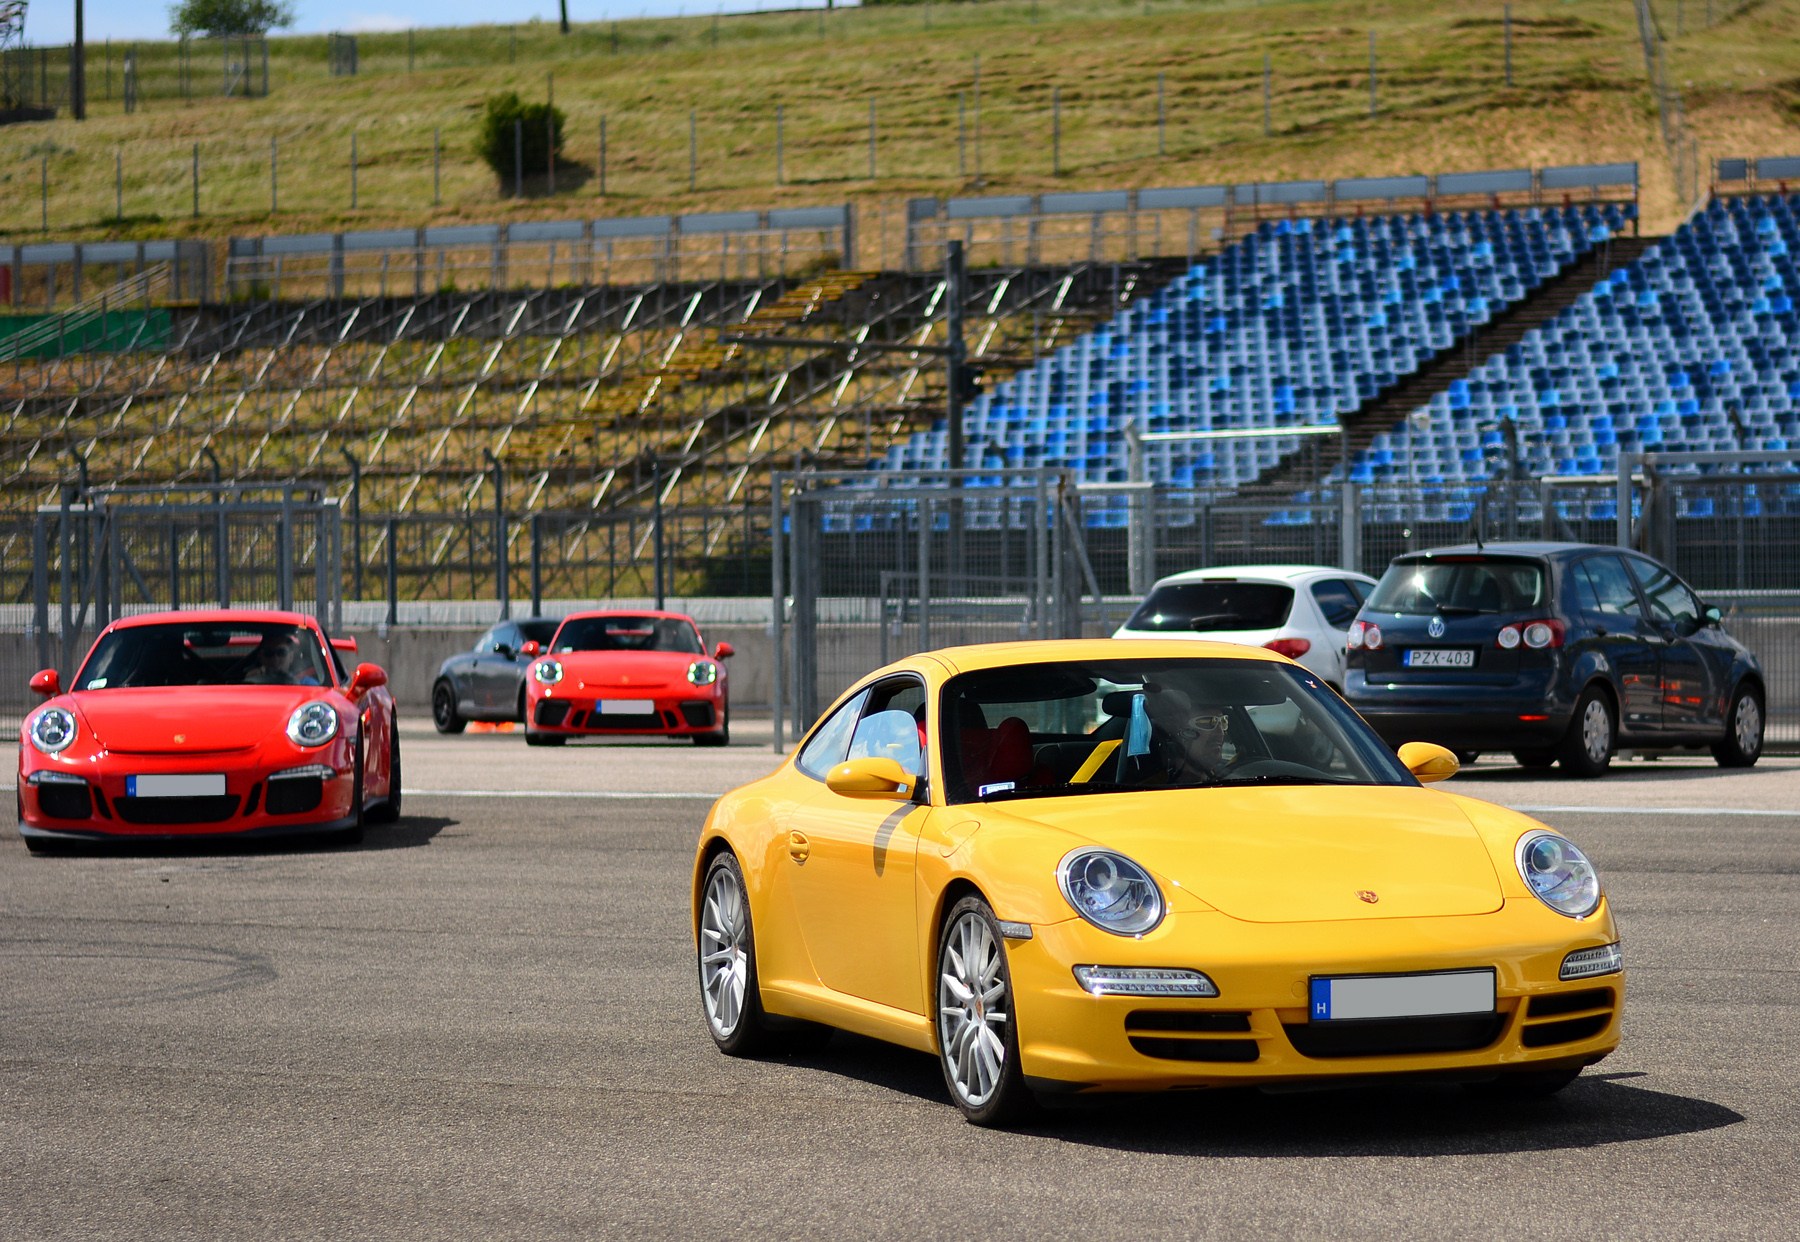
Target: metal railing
[(1187, 220), (140, 291)]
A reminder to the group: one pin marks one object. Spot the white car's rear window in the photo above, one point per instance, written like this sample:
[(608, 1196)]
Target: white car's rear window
[(1188, 606)]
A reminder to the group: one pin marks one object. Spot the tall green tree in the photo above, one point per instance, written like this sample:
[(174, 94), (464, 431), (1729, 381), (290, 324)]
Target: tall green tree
[(216, 18)]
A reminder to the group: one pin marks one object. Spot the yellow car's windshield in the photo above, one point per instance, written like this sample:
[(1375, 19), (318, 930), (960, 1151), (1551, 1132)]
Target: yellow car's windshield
[(1096, 726)]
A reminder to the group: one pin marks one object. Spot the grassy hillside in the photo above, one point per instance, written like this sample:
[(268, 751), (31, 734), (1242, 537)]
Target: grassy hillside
[(1579, 95)]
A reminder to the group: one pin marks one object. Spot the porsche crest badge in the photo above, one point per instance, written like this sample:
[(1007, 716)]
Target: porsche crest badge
[(1367, 896)]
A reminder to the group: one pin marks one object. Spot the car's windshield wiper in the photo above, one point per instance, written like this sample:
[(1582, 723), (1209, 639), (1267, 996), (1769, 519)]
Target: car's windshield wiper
[(1222, 620), (1458, 610), (1279, 778)]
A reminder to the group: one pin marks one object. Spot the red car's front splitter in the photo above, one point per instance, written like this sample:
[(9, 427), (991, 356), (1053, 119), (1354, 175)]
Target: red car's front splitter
[(663, 718), (86, 812)]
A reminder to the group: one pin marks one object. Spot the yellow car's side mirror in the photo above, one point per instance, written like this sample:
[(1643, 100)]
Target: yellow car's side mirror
[(1429, 761), (870, 778)]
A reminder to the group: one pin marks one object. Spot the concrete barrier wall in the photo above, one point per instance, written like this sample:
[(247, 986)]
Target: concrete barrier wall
[(411, 655)]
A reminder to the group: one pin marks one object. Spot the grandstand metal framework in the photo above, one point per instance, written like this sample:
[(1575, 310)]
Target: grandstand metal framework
[(596, 400)]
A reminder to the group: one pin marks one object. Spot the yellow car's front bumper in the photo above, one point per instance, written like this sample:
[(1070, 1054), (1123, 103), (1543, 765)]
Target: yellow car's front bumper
[(1257, 1031)]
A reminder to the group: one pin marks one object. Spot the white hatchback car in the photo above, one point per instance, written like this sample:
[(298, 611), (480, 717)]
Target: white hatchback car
[(1302, 611)]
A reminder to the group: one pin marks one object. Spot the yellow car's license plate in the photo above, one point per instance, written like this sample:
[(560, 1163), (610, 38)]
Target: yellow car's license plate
[(1350, 997)]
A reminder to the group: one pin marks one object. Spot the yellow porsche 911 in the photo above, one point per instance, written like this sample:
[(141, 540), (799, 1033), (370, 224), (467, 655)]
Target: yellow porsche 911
[(1097, 866)]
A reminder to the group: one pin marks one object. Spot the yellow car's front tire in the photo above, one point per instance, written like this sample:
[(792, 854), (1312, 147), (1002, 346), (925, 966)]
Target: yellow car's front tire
[(978, 1039), (729, 991)]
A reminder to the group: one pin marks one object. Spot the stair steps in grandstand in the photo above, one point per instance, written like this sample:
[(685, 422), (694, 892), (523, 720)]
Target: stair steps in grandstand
[(1394, 403)]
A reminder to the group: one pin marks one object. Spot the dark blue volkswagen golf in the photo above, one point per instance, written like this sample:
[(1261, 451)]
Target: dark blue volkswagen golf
[(1557, 652)]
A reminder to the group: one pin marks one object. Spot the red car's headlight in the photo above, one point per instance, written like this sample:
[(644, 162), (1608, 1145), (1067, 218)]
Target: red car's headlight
[(52, 730), (312, 724)]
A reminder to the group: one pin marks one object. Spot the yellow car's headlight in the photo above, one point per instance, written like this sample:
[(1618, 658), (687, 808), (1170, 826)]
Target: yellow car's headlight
[(1558, 873), (1110, 891)]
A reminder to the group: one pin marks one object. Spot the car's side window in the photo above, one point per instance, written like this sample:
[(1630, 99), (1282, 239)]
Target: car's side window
[(489, 641), (1606, 588), (831, 739), (1669, 600), (1338, 601), (892, 725)]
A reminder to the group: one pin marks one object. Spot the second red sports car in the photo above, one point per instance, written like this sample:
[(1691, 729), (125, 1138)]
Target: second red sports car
[(627, 672), (219, 723)]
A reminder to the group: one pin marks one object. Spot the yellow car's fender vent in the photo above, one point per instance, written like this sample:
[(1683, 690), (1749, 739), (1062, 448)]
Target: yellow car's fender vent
[(1395, 1037), (1190, 1022), (1576, 1016)]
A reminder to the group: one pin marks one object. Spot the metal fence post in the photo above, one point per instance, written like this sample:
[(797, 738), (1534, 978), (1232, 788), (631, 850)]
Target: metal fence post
[(1350, 527), (1623, 498), (657, 531), (40, 586), (393, 572), (321, 564), (806, 579), (1041, 556), (284, 554), (65, 536), (926, 516), (777, 605), (537, 564)]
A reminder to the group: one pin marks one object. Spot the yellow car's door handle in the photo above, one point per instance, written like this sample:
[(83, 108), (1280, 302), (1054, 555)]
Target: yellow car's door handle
[(799, 848)]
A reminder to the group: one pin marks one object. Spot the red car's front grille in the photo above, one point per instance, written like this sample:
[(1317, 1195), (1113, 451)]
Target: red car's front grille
[(204, 810)]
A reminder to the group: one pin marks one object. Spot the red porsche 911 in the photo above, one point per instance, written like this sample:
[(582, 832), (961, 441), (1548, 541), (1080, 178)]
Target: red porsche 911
[(225, 724), (611, 673)]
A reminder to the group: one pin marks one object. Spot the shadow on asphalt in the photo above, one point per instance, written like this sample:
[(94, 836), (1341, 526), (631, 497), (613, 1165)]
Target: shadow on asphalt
[(1405, 1119), (407, 832)]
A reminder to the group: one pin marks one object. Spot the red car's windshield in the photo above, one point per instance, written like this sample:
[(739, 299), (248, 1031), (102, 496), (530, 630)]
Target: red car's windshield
[(627, 634), (211, 653)]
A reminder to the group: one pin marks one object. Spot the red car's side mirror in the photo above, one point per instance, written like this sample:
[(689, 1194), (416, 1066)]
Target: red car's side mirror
[(531, 648), (344, 644), (47, 683), (366, 678), (724, 652)]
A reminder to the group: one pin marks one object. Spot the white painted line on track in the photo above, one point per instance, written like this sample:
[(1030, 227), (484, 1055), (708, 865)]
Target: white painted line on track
[(554, 793), (696, 794), (1648, 810)]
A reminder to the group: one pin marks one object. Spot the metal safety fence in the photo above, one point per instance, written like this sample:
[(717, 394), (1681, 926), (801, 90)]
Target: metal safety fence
[(861, 568), (128, 550)]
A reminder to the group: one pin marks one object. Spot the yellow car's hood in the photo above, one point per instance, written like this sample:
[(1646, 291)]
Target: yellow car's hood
[(1281, 854)]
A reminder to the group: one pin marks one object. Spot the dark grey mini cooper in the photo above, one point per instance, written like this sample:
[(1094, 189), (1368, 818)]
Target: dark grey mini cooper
[(1557, 652), (488, 683)]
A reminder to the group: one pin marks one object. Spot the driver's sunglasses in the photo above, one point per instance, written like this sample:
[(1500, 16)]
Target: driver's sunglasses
[(1208, 723)]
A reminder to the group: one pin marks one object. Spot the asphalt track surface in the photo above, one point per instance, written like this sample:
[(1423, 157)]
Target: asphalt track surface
[(484, 1023)]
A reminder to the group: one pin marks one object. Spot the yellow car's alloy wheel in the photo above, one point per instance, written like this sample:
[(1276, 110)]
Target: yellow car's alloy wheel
[(724, 951)]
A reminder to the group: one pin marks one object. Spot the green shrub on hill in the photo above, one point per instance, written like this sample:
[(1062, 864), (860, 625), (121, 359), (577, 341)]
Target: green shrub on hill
[(513, 131)]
